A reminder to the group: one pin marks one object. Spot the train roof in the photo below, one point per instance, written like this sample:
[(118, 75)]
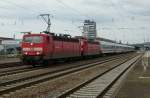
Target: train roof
[(103, 42), (64, 37), (35, 35), (112, 42)]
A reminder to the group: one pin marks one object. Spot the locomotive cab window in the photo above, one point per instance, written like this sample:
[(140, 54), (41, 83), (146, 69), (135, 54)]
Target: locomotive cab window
[(33, 39)]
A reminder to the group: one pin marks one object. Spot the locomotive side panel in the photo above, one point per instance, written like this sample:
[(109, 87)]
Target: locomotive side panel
[(48, 47), (93, 48), (58, 49), (77, 49), (68, 49)]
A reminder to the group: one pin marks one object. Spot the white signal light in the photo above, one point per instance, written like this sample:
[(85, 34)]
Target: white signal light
[(37, 53)]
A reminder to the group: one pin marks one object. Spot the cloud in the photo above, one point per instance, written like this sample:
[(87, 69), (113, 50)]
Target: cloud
[(69, 14), (137, 7)]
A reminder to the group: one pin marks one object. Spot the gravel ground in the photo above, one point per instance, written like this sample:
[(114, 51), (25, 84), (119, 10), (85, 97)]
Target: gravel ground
[(137, 84), (9, 60), (51, 89)]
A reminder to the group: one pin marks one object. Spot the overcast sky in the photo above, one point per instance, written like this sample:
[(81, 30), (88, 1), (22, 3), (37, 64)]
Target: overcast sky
[(126, 20)]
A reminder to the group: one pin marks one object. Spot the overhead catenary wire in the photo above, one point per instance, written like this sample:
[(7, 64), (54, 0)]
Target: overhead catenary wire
[(73, 9), (37, 11), (19, 6), (26, 9)]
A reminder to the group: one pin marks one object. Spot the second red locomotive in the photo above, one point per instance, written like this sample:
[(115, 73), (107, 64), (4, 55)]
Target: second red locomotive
[(44, 47)]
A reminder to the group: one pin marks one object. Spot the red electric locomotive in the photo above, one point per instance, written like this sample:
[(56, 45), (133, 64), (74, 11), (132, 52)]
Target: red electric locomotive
[(40, 48)]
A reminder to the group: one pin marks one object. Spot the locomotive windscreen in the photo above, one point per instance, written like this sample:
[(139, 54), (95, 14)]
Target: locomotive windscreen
[(33, 39)]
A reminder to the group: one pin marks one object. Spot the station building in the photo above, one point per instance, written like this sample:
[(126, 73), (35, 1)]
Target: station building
[(9, 46), (89, 30), (142, 46)]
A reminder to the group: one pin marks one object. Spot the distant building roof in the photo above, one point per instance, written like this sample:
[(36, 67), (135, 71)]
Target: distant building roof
[(5, 38), (142, 44)]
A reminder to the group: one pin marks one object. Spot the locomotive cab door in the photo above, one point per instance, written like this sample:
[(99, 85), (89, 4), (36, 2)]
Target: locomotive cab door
[(83, 47), (48, 47)]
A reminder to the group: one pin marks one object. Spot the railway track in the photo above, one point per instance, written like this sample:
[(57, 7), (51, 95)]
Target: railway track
[(16, 82), (20, 69), (6, 69), (16, 70), (25, 68), (100, 85), (10, 64)]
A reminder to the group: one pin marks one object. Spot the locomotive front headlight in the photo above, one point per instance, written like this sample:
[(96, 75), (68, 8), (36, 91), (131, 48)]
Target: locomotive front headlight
[(25, 53), (37, 53)]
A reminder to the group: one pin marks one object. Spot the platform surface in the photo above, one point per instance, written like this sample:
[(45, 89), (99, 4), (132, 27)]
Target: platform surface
[(137, 84)]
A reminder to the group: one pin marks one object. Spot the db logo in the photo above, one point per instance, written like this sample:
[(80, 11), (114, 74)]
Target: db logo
[(31, 44), (32, 49)]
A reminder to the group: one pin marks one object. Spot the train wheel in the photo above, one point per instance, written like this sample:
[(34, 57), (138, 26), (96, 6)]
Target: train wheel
[(45, 62), (33, 64)]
